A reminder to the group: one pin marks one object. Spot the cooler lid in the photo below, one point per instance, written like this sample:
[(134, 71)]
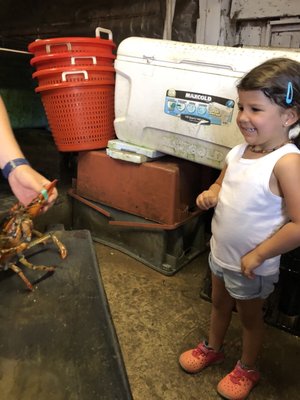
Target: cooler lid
[(234, 59)]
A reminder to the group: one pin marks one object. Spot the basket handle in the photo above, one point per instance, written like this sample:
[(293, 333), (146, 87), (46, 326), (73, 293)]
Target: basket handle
[(48, 46), (107, 31), (64, 74), (93, 58)]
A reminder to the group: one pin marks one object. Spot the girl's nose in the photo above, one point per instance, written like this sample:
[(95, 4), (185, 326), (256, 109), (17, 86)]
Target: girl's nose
[(242, 116)]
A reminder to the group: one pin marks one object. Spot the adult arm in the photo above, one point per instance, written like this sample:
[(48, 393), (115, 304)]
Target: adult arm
[(24, 181)]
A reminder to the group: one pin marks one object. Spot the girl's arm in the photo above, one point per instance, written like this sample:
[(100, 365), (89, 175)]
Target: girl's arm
[(209, 198), (287, 173)]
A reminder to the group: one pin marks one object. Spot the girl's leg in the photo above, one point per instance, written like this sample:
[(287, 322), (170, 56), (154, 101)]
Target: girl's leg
[(195, 360), (251, 316), (222, 306), (239, 382)]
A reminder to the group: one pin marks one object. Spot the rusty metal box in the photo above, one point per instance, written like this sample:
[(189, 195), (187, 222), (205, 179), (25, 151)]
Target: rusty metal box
[(163, 191)]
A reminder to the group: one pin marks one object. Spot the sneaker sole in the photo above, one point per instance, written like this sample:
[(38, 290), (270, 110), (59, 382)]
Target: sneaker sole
[(240, 398), (199, 370)]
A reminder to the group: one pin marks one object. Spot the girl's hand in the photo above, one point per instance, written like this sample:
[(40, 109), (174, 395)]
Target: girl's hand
[(207, 199), (249, 262)]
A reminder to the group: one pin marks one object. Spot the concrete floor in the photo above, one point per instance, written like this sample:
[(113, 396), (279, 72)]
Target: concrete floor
[(157, 317)]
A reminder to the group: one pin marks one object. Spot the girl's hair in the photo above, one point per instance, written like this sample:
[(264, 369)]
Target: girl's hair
[(279, 80)]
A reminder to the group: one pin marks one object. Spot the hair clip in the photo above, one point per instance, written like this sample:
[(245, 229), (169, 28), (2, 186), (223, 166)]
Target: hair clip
[(289, 93)]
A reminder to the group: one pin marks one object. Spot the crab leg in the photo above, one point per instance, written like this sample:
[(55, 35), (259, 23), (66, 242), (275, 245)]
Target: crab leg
[(62, 249), (28, 264), (18, 271)]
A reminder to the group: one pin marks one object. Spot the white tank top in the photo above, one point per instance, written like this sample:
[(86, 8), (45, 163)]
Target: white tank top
[(247, 212)]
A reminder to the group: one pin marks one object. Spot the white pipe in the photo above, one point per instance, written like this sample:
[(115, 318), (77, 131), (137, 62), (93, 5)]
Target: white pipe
[(170, 9)]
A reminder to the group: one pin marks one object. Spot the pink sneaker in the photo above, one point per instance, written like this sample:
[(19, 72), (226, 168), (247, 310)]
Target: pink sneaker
[(238, 384), (195, 360)]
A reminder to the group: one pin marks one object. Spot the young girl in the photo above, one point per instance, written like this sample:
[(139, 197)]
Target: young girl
[(256, 218)]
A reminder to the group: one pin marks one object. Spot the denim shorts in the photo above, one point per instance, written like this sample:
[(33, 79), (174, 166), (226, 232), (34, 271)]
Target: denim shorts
[(242, 288)]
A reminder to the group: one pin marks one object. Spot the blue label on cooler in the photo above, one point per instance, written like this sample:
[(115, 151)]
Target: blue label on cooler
[(198, 107)]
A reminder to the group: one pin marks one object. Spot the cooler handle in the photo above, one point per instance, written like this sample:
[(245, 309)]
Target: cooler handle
[(93, 58), (48, 46), (207, 64), (107, 31), (64, 74)]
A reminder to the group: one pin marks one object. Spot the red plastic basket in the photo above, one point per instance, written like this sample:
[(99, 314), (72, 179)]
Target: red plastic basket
[(54, 76), (70, 60), (97, 45), (80, 116)]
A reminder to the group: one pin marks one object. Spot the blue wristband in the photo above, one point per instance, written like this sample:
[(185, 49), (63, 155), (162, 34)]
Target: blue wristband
[(11, 165)]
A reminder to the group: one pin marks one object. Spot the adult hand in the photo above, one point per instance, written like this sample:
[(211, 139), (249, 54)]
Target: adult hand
[(26, 183)]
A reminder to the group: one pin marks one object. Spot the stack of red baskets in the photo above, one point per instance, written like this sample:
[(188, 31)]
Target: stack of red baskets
[(76, 79)]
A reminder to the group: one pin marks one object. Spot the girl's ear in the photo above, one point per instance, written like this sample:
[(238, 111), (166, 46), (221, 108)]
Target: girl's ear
[(290, 116)]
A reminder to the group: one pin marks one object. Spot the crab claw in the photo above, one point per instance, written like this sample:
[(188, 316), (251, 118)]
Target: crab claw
[(35, 207), (43, 196)]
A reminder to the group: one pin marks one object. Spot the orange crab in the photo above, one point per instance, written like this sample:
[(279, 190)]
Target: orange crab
[(17, 234)]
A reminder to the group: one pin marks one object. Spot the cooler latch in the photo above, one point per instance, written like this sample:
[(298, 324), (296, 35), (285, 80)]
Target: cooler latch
[(149, 59)]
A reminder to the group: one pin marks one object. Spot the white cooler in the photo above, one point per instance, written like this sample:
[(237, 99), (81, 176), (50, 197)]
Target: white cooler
[(180, 98)]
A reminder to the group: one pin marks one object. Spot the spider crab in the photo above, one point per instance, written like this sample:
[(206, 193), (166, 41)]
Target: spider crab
[(17, 235)]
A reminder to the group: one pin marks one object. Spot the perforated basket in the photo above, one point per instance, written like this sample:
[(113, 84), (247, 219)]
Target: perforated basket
[(71, 59), (80, 116), (54, 76), (97, 45)]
